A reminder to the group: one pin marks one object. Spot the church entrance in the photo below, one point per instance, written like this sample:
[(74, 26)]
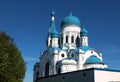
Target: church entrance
[(47, 69)]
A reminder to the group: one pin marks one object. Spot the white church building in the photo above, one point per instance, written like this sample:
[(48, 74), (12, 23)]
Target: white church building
[(68, 53)]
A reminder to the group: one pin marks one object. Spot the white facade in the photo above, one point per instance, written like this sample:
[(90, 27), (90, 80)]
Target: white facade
[(107, 76), (68, 50)]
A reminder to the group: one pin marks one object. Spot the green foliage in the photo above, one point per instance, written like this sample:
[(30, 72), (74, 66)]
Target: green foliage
[(12, 65)]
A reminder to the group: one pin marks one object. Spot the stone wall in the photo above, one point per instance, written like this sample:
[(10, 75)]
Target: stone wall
[(77, 76)]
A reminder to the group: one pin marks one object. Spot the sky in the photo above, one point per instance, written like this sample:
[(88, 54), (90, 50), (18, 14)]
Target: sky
[(28, 21)]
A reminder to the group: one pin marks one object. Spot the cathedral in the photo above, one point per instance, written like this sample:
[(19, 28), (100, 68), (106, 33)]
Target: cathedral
[(67, 51)]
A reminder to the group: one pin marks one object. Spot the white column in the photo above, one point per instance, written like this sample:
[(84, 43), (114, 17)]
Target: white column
[(84, 41), (55, 42), (69, 38), (48, 41), (64, 38)]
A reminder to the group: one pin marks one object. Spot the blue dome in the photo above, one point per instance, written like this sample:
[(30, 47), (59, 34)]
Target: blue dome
[(54, 33), (93, 59), (70, 20), (84, 48), (84, 32)]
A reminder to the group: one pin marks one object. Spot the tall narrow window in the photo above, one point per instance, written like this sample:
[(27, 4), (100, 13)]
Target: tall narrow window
[(47, 69), (58, 41), (59, 70), (62, 40), (72, 39), (66, 39), (77, 41)]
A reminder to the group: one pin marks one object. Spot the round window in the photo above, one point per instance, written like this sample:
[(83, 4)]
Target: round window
[(91, 51), (62, 55), (72, 55)]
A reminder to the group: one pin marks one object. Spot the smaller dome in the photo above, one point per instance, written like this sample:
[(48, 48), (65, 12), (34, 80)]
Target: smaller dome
[(84, 32), (54, 33), (93, 59), (70, 20)]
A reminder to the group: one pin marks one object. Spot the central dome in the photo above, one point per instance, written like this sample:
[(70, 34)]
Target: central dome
[(70, 20)]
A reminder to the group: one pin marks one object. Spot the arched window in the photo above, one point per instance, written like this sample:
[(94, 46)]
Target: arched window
[(77, 41), (72, 55), (72, 39), (47, 69), (66, 39), (62, 40)]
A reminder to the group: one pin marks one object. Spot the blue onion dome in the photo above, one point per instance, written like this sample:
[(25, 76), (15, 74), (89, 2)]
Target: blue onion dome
[(54, 33), (92, 60), (70, 20), (84, 32), (52, 30)]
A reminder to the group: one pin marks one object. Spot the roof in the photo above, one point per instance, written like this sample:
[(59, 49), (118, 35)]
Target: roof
[(112, 70), (93, 59), (54, 33)]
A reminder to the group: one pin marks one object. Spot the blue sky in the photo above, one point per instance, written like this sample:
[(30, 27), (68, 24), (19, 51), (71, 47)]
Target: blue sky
[(27, 21)]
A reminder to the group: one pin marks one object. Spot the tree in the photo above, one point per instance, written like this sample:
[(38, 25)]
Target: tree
[(12, 65)]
